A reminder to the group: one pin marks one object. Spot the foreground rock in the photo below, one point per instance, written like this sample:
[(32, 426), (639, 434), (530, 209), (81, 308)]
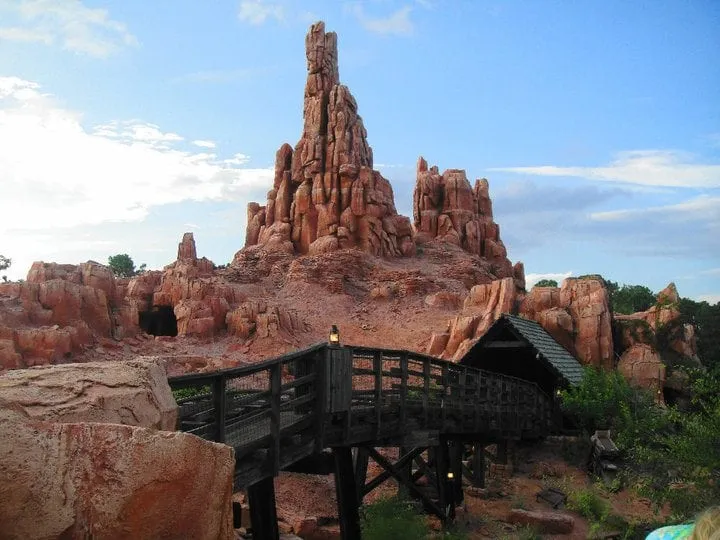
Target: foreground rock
[(70, 469), (134, 393), (108, 481)]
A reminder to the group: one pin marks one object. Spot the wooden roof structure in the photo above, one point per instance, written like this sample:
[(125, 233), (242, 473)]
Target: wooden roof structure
[(511, 337)]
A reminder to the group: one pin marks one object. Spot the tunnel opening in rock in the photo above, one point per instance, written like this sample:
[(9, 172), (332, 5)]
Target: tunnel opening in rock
[(159, 321)]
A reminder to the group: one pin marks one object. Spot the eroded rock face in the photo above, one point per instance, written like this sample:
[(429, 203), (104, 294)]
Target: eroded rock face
[(447, 207), (69, 468), (134, 393), (641, 366), (256, 318), (58, 311), (326, 195), (577, 315), (85, 480), (483, 306)]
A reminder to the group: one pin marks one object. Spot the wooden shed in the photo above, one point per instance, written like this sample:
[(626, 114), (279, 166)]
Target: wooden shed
[(524, 349)]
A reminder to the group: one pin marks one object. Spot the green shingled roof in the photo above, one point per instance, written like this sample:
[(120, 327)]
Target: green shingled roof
[(564, 362)]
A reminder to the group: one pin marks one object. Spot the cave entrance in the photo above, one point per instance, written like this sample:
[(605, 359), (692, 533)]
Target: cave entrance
[(159, 321)]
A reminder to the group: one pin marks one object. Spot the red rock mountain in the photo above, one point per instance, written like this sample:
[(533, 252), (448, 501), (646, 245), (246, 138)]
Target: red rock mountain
[(327, 248)]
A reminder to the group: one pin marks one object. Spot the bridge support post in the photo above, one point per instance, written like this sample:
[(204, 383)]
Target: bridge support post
[(347, 494), (456, 455), (263, 514), (406, 470), (478, 465), (361, 468)]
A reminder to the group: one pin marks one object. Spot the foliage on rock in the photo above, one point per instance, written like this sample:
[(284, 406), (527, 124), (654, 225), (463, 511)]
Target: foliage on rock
[(546, 283), (628, 299)]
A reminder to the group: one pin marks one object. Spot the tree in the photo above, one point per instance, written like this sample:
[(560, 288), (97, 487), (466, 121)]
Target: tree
[(546, 283), (122, 265), (5, 262), (629, 298), (706, 320)]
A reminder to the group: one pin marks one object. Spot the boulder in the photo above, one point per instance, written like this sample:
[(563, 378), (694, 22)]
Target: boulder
[(543, 522), (134, 393), (641, 366), (87, 480)]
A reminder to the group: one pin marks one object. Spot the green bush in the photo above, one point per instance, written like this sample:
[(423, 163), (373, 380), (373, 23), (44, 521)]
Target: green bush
[(589, 504), (183, 393), (672, 456), (392, 519)]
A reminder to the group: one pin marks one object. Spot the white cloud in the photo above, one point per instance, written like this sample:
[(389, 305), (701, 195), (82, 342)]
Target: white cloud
[(204, 144), (665, 168), (397, 23), (700, 208), (25, 35), (56, 174), (711, 272), (257, 11), (69, 23), (532, 279), (711, 299), (237, 159)]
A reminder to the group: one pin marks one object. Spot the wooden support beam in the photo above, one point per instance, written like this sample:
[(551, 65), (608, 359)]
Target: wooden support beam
[(478, 465), (361, 467), (263, 514), (406, 470), (505, 345), (275, 384), (456, 449), (386, 474), (385, 464), (445, 492), (502, 452), (220, 405), (347, 494)]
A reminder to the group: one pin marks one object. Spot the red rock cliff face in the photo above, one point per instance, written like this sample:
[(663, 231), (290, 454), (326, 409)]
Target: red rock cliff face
[(326, 195), (447, 207), (59, 310)]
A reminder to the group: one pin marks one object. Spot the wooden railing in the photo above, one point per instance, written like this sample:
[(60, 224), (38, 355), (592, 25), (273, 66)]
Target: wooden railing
[(276, 412)]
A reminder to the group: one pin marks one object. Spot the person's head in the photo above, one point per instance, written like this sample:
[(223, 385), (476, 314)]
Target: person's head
[(707, 526)]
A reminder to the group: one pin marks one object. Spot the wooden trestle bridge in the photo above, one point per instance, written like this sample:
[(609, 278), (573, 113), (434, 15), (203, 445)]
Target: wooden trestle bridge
[(344, 402)]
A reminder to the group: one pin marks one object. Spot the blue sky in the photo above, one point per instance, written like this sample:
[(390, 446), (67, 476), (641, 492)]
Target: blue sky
[(124, 123)]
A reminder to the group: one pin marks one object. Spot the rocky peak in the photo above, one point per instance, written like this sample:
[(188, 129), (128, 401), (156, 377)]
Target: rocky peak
[(186, 248), (447, 207), (325, 194)]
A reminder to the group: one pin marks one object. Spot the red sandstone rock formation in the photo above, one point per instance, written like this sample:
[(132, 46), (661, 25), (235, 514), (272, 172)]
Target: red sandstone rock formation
[(69, 468), (482, 307), (660, 320), (641, 366), (58, 311), (445, 206), (577, 315), (326, 195)]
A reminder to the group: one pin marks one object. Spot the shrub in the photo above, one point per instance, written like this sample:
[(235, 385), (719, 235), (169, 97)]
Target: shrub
[(589, 504), (392, 519), (184, 393)]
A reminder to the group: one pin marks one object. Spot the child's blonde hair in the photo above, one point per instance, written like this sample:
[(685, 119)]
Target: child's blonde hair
[(707, 526)]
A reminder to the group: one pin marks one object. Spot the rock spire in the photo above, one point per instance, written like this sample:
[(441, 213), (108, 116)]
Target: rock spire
[(325, 194)]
